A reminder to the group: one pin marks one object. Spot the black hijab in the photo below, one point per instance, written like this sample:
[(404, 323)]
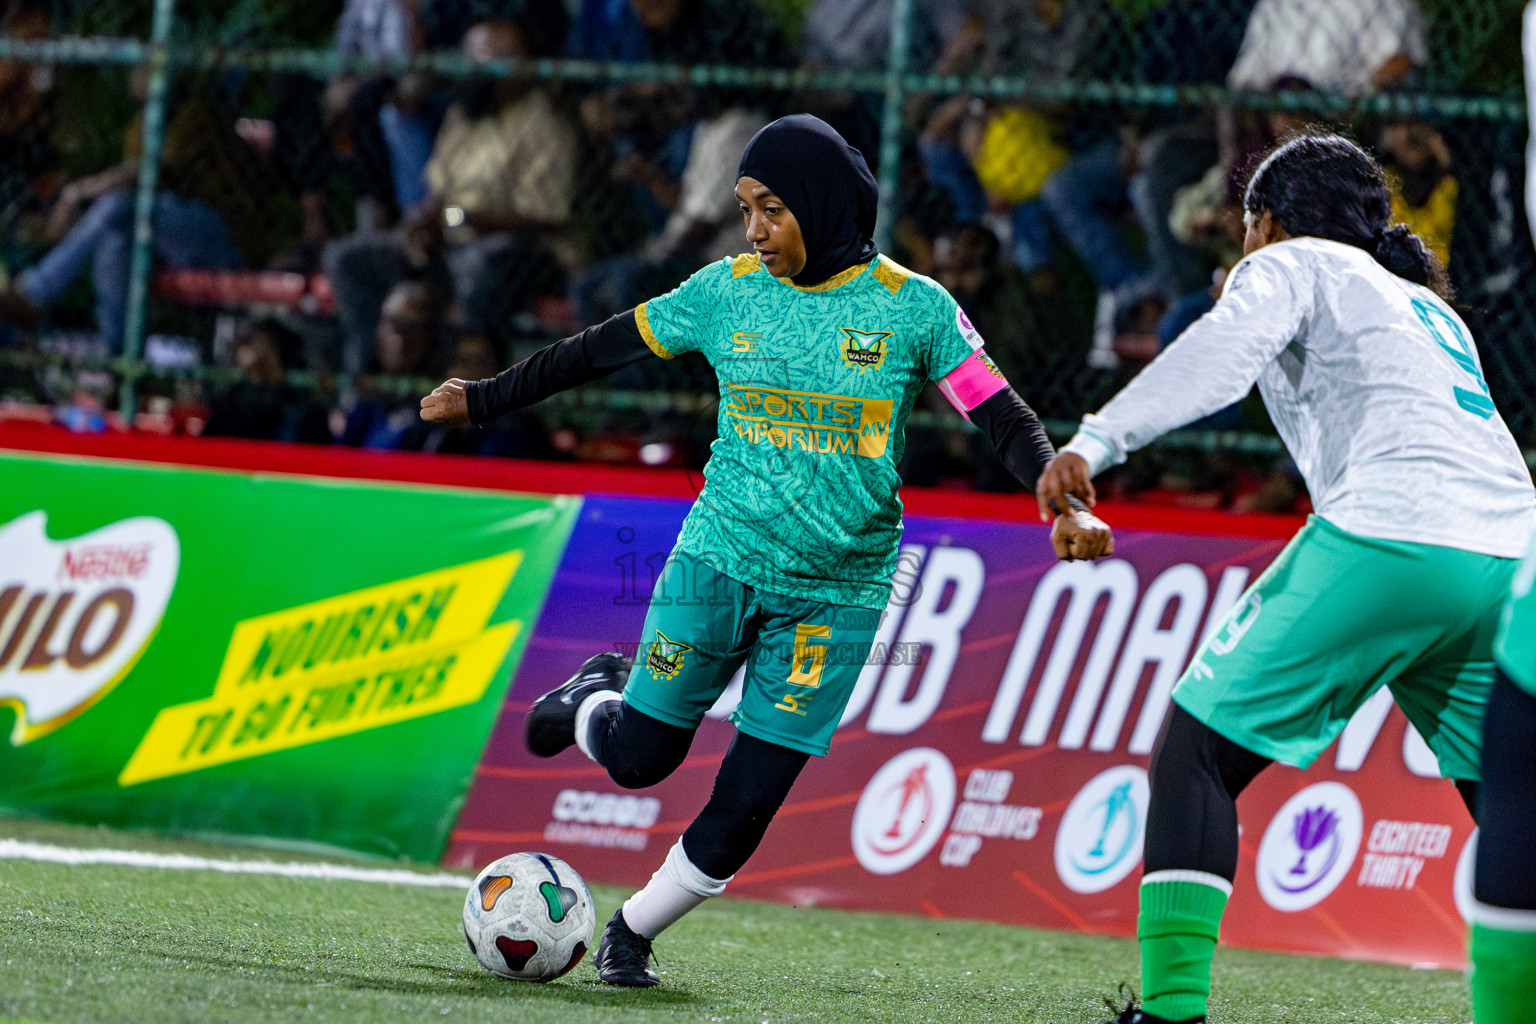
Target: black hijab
[(827, 186)]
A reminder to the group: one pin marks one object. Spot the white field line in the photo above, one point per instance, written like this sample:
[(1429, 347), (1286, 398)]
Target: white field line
[(14, 849)]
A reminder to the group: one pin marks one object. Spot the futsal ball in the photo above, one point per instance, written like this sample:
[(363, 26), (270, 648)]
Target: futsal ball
[(529, 916)]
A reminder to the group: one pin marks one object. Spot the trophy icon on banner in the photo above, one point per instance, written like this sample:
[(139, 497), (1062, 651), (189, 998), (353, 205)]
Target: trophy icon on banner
[(1312, 828)]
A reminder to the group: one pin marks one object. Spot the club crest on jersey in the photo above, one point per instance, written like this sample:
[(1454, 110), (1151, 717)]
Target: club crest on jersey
[(863, 350), (665, 658)]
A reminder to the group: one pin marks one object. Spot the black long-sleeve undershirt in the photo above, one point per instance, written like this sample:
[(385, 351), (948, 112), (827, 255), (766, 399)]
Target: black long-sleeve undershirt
[(1017, 435), (579, 359), (1010, 425)]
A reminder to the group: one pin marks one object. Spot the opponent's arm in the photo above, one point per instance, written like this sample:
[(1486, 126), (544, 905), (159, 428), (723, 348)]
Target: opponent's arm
[(580, 359), (1211, 365), (982, 395)]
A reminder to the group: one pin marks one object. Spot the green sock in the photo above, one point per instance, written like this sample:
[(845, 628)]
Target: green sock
[(1504, 970), (1180, 914)]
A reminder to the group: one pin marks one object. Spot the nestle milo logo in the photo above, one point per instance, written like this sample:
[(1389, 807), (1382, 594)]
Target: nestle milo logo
[(75, 615)]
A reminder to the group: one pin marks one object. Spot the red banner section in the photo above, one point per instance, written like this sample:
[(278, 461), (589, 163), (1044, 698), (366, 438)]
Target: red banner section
[(992, 762)]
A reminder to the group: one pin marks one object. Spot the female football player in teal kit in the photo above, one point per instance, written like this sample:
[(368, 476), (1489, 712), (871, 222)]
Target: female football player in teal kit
[(821, 346)]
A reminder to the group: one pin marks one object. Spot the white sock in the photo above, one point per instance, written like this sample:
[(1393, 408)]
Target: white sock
[(584, 713), (676, 888)]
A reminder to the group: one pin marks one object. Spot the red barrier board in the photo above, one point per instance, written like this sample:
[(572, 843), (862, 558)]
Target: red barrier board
[(995, 767)]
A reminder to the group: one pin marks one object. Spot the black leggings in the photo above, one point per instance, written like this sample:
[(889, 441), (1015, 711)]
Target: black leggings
[(1504, 874), (1196, 776), (753, 781)]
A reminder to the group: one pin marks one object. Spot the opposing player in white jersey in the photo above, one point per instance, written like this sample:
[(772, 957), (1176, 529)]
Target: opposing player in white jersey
[(1423, 506)]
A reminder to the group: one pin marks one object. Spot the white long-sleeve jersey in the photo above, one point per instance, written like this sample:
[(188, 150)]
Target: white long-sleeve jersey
[(1373, 383)]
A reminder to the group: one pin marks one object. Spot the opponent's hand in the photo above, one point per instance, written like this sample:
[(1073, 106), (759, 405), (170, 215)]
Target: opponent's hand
[(1081, 535), (447, 404), (1066, 474)]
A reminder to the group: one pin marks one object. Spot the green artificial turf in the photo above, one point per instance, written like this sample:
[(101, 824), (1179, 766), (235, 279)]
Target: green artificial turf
[(107, 943)]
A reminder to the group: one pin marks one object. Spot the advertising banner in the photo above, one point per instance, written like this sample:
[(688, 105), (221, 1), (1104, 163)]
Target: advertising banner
[(280, 657), (992, 761)]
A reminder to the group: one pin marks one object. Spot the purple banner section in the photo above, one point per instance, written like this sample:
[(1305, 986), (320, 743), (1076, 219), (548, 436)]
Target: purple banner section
[(992, 764)]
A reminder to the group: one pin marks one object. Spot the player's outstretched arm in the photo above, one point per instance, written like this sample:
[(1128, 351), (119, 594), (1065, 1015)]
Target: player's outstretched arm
[(585, 357), (1019, 439)]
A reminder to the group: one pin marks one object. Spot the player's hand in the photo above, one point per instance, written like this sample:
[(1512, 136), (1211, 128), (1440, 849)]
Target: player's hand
[(447, 404), (1081, 535), (1066, 474)]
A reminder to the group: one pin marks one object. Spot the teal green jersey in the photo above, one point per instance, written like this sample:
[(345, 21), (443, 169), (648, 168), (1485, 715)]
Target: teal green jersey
[(816, 385)]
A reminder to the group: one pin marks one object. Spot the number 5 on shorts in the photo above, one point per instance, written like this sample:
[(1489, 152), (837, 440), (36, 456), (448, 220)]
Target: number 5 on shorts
[(805, 666)]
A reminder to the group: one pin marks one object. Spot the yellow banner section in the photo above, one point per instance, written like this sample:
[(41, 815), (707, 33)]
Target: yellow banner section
[(342, 665)]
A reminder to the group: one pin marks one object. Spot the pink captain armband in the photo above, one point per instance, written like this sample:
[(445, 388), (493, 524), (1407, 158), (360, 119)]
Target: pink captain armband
[(972, 382)]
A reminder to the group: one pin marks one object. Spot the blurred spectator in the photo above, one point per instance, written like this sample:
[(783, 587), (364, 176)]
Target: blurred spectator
[(24, 93), (646, 127), (1015, 148), (261, 404), (1181, 42), (856, 34), (704, 223), (502, 183), (445, 23), (678, 31), (1352, 47), (207, 200), (375, 114), (968, 261), (407, 341), (1424, 191), (379, 29)]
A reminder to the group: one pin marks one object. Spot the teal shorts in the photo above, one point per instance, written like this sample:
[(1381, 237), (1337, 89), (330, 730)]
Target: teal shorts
[(1336, 617), (802, 657), (1516, 644)]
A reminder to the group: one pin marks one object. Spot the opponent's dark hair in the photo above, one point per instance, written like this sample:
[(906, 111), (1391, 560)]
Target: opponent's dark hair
[(1325, 186)]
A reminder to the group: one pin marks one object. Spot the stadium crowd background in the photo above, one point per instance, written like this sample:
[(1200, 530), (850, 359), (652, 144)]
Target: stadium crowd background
[(353, 199)]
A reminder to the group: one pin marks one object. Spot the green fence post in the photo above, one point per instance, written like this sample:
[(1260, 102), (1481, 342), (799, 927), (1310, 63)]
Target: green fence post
[(144, 205), (890, 125)]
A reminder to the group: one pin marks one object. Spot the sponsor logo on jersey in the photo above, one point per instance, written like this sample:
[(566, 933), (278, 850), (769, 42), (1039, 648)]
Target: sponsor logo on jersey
[(863, 350), (1309, 846), (665, 658), (903, 810), (968, 330), (1099, 840), (810, 422), (745, 341), (75, 615)]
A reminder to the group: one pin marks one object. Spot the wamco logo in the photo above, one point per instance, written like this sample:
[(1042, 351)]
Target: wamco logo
[(76, 615)]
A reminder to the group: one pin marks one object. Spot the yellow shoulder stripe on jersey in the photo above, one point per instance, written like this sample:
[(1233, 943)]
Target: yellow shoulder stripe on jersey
[(651, 342), (746, 263), (891, 274)]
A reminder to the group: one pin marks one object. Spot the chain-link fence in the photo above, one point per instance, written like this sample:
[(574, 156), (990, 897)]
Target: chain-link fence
[(282, 219)]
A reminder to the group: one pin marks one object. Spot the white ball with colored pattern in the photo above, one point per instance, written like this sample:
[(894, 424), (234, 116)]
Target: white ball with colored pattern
[(529, 916)]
